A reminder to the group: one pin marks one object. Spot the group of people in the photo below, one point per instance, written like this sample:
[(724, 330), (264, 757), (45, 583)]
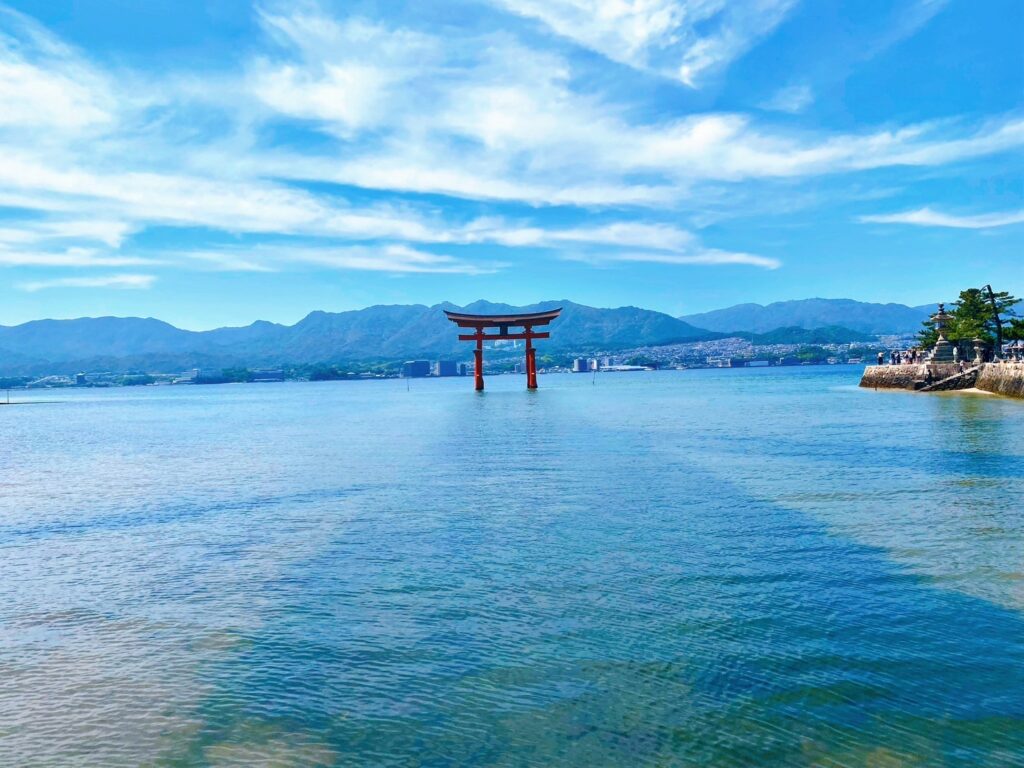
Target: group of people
[(1013, 353), (912, 356)]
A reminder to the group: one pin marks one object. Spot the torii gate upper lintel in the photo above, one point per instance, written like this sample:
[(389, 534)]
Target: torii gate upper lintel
[(525, 321)]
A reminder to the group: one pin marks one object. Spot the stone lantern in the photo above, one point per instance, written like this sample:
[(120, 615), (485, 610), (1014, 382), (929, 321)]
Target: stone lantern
[(943, 350), (979, 351)]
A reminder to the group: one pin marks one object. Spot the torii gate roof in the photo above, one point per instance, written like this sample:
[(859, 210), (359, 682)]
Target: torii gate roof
[(464, 320)]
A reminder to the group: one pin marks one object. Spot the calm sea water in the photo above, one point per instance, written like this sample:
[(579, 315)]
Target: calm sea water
[(714, 568)]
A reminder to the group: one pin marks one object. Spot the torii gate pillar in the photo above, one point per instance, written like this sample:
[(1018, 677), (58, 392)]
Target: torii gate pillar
[(531, 362), (478, 366), (503, 322)]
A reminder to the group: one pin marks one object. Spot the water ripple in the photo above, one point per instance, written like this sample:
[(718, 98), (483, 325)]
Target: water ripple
[(697, 568)]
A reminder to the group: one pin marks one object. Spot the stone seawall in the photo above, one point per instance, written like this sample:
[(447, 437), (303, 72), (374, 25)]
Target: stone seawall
[(1002, 379), (998, 378), (905, 376), (965, 380), (891, 376)]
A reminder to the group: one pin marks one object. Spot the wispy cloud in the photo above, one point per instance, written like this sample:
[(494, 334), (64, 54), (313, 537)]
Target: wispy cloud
[(907, 20), (393, 258), (708, 257), (70, 257), (683, 39), (926, 217), (22, 232), (46, 84), (136, 282), (463, 115), (792, 99), (698, 256), (491, 130)]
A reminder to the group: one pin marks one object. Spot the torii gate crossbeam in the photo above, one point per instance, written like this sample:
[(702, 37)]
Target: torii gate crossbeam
[(479, 323)]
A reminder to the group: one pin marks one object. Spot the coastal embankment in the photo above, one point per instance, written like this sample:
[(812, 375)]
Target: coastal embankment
[(1002, 379), (998, 378), (905, 376)]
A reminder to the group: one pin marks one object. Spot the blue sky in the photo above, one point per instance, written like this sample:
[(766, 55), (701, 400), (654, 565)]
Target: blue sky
[(211, 162)]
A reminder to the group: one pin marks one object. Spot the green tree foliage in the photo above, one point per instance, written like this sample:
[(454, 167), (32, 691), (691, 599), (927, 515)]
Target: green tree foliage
[(1015, 330), (136, 380), (644, 360), (1002, 305), (973, 317), (550, 360), (812, 354), (226, 376), (325, 373), (927, 336)]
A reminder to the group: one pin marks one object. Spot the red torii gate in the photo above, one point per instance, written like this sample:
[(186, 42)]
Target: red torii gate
[(503, 322)]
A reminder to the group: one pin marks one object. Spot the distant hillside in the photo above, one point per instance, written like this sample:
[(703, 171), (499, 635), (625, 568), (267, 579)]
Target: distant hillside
[(375, 333), (832, 334), (814, 313)]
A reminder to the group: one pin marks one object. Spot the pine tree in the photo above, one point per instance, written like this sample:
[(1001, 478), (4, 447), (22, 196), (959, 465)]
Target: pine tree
[(972, 317), (927, 336), (1001, 303), (978, 313)]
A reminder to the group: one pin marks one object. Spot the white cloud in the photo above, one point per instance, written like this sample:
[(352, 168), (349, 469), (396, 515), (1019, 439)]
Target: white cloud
[(505, 123), (43, 83), (111, 233), (685, 39), (260, 208), (349, 95), (348, 74), (728, 147), (466, 114), (109, 281), (709, 257), (391, 258), (226, 260), (71, 257), (792, 99), (628, 234), (695, 256), (926, 217), (472, 174)]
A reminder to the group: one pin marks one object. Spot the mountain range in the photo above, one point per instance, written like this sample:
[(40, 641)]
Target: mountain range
[(397, 332), (376, 333), (815, 313), (794, 334)]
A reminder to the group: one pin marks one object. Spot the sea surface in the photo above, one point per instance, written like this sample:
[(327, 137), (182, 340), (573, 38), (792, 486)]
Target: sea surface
[(707, 568)]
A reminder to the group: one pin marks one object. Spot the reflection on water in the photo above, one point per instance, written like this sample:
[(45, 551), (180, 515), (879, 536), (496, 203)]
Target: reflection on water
[(708, 568)]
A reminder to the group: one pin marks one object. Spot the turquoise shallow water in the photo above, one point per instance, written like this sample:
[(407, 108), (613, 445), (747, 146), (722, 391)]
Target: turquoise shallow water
[(715, 568)]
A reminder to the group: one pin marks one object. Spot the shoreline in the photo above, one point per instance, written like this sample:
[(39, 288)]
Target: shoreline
[(999, 378), (972, 391)]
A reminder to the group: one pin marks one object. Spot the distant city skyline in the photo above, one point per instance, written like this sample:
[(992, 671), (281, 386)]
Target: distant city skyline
[(213, 163)]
